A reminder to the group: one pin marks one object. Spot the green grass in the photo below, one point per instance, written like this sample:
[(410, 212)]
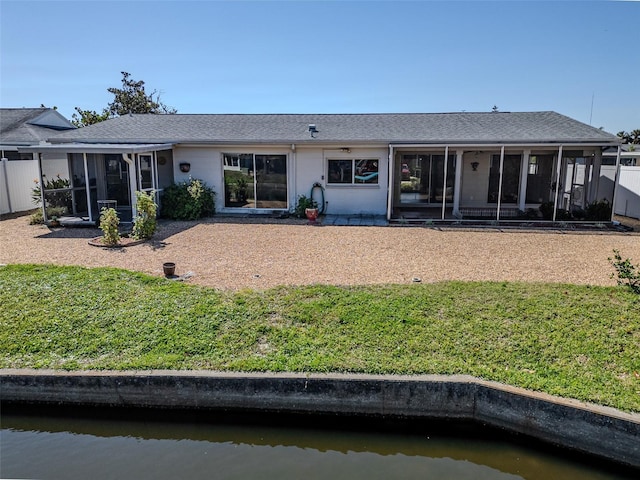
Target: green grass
[(576, 341)]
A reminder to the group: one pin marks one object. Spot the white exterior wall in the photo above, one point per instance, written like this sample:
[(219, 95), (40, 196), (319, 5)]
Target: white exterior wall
[(305, 166), (475, 183), (18, 178), (628, 194), (366, 199)]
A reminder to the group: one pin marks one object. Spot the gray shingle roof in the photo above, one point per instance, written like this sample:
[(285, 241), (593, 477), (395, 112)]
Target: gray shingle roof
[(26, 126), (501, 127)]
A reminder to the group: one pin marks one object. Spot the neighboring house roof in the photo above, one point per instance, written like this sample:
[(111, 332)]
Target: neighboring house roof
[(27, 126), (423, 128)]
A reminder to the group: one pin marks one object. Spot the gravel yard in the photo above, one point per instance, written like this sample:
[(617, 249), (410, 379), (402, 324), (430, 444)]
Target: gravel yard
[(238, 253)]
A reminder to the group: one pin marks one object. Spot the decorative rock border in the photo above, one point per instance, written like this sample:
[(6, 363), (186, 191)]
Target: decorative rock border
[(124, 242)]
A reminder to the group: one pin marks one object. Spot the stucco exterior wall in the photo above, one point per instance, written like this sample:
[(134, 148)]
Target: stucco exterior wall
[(475, 184), (305, 166)]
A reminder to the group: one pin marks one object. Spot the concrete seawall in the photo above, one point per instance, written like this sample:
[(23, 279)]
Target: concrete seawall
[(587, 428)]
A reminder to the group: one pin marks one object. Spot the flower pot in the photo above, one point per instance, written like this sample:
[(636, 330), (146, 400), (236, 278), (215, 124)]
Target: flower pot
[(312, 214), (169, 269)]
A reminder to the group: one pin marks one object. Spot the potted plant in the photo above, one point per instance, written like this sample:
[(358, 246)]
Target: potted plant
[(307, 207)]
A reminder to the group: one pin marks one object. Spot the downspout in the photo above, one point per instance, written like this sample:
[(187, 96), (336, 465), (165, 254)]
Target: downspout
[(615, 183), (390, 183), (500, 183), (444, 187), (6, 182), (555, 198), (132, 183)]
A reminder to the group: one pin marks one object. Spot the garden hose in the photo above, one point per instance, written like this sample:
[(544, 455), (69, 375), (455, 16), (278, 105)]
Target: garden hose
[(321, 205)]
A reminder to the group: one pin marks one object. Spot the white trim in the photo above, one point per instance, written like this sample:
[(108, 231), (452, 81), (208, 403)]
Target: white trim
[(457, 185), (616, 180), (524, 174), (558, 169), (87, 186), (501, 170), (444, 188)]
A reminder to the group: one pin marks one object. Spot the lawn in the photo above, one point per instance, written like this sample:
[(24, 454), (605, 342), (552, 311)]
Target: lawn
[(575, 341)]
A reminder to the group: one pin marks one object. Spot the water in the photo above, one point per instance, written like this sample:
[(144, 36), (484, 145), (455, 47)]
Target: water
[(101, 444)]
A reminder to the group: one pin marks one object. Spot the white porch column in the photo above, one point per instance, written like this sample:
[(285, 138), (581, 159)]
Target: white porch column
[(390, 192), (616, 179), (444, 186), (458, 183), (87, 188), (595, 176), (131, 164), (558, 168), (524, 174), (500, 183)]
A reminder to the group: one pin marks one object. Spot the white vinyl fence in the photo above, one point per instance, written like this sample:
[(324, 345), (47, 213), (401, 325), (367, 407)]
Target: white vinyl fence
[(16, 182), (628, 193)]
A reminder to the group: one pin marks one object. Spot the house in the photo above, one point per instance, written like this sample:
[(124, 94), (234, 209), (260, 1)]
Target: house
[(21, 127), (439, 166)]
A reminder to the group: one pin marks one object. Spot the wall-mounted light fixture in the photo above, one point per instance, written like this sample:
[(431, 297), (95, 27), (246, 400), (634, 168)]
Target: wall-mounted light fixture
[(345, 150), (474, 166), (313, 131), (185, 167)]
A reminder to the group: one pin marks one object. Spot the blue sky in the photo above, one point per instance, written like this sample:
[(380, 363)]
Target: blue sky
[(329, 57)]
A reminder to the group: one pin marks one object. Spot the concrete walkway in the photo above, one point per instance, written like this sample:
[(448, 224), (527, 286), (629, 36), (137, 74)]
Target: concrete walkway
[(355, 220)]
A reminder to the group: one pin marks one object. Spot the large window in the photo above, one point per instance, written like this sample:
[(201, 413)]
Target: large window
[(353, 171), (255, 181)]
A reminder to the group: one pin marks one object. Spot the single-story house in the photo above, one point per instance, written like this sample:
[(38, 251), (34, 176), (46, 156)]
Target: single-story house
[(20, 127), (441, 166)]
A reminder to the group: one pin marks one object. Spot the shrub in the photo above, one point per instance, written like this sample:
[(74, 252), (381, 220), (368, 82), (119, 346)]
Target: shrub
[(188, 200), (144, 225), (546, 209), (598, 211), (304, 202), (626, 272), (109, 222)]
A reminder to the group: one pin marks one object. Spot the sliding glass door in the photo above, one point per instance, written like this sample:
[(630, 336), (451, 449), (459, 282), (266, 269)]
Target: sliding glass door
[(255, 181)]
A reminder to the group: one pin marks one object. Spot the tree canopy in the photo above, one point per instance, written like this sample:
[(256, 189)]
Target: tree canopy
[(131, 98), (630, 137)]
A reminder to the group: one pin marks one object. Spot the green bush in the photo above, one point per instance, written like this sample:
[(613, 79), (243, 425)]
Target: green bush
[(188, 200), (304, 202), (598, 211), (144, 225), (546, 209), (626, 272), (109, 222)]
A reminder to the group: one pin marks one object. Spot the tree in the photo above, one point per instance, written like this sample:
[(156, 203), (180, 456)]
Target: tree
[(630, 137), (131, 98)]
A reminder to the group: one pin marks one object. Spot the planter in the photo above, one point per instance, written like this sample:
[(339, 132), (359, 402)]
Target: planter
[(312, 214), (169, 269)]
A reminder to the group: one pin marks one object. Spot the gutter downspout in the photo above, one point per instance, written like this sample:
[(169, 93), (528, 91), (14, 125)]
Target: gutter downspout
[(615, 183), (559, 167), (132, 183)]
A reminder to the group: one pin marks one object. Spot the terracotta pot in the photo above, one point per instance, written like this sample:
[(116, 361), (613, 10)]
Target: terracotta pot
[(312, 214), (169, 269)]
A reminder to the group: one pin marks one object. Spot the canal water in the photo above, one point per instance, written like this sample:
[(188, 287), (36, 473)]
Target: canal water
[(119, 444)]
